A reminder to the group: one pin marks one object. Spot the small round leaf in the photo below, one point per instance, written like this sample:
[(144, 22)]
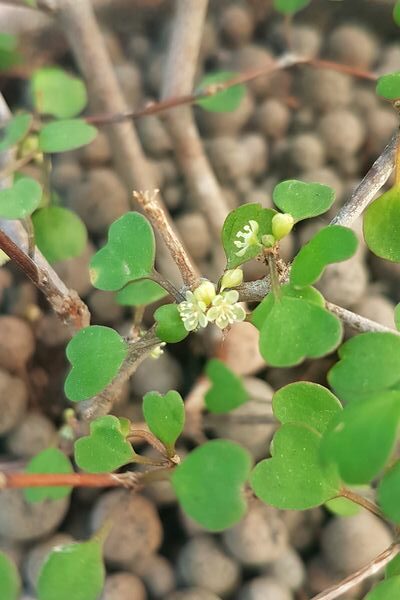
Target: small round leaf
[(61, 136), (50, 460), (330, 245), (209, 484), (10, 583), (15, 130), (140, 293), (388, 86), (294, 478), (129, 253), (72, 571), (165, 416), (289, 7), (105, 449), (396, 13), (169, 325), (59, 233), (385, 590), (343, 507), (20, 200), (382, 225), (227, 391), (389, 493), (227, 100), (57, 93), (96, 354), (303, 200)]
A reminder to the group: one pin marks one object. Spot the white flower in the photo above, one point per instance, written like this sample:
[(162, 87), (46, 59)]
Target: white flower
[(205, 292), (231, 278), (157, 351), (226, 310), (192, 312), (249, 237)]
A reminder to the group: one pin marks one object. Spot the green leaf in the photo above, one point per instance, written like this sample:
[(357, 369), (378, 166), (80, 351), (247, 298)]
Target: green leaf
[(55, 92), (105, 449), (140, 293), (59, 233), (235, 222), (397, 316), (361, 438), (382, 225), (308, 294), (169, 325), (72, 571), (129, 253), (396, 13), (294, 479), (227, 100), (15, 130), (96, 354), (295, 330), (369, 363), (10, 583), (51, 460), (9, 54), (289, 7), (330, 245), (386, 590), (393, 568), (389, 493), (343, 507), (388, 86), (165, 416), (306, 403), (209, 484), (303, 200), (20, 200), (61, 136), (227, 391)]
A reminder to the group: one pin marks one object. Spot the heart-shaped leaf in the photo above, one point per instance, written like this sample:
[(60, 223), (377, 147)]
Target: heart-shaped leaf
[(15, 130), (303, 200), (361, 438), (385, 590), (388, 86), (50, 460), (170, 327), (165, 416), (129, 253), (72, 571), (294, 478), (10, 582), (306, 403), (105, 449), (62, 136), (140, 293), (57, 93), (225, 101), (330, 245), (369, 363), (20, 200), (389, 493), (59, 233), (96, 354), (295, 330), (382, 225), (308, 294), (245, 226), (209, 484), (227, 391), (289, 7)]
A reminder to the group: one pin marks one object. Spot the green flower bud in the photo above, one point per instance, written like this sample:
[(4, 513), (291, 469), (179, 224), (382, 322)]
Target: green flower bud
[(282, 224), (268, 241), (231, 278), (205, 292)]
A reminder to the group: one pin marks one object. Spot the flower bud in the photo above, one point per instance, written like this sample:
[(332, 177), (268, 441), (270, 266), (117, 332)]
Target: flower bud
[(268, 241), (282, 224), (231, 278), (205, 292)]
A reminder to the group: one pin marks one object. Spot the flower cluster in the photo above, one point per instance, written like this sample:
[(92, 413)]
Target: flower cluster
[(247, 238), (282, 225), (204, 305)]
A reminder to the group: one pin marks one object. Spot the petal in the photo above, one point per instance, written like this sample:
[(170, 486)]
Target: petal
[(239, 312), (213, 313), (231, 297), (222, 321), (203, 321)]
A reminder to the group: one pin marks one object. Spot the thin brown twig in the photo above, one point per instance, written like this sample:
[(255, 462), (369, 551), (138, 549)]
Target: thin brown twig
[(359, 576), (91, 480), (364, 502)]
